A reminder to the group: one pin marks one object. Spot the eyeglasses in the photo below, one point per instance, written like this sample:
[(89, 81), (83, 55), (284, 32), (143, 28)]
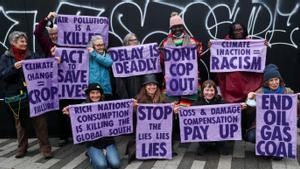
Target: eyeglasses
[(100, 44)]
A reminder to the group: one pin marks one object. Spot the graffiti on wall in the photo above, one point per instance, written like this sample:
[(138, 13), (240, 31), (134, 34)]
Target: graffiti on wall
[(276, 22)]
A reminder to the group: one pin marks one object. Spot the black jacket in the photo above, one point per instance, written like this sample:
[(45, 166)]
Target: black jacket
[(13, 79), (201, 101)]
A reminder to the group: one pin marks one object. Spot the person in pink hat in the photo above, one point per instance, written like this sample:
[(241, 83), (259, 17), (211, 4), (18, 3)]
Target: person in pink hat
[(178, 36)]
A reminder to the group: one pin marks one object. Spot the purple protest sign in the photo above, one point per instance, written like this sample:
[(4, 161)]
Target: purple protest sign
[(135, 60), (41, 80), (73, 72), (91, 121), (238, 55), (181, 70), (210, 123), (154, 131), (76, 31), (276, 125)]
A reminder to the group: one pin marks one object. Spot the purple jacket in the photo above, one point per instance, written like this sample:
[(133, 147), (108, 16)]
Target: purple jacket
[(43, 39)]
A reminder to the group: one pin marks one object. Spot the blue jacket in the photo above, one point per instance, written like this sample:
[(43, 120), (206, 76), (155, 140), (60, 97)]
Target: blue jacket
[(99, 70)]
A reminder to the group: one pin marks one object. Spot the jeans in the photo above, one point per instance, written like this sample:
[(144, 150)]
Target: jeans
[(100, 160), (251, 135)]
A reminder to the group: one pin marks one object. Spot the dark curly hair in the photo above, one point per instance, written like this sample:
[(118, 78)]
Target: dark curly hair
[(231, 30)]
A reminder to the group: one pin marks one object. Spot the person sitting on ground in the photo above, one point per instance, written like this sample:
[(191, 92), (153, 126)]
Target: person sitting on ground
[(102, 152)]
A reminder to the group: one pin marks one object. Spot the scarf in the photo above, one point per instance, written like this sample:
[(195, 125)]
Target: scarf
[(279, 90), (18, 53)]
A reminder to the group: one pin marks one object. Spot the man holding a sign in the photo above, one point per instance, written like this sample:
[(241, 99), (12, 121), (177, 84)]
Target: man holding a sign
[(272, 125), (185, 66)]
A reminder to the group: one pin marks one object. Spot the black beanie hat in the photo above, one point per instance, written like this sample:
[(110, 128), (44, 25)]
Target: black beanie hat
[(93, 86), (150, 78), (271, 71)]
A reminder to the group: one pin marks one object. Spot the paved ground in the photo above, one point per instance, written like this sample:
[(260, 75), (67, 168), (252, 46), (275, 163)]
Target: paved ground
[(73, 156)]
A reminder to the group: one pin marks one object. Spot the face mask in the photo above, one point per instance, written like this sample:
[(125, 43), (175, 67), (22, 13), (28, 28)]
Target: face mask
[(251, 102)]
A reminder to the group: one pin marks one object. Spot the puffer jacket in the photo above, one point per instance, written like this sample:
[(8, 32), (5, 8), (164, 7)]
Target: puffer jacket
[(99, 66)]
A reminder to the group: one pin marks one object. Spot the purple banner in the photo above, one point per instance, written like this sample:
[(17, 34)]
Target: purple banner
[(102, 119), (135, 60), (210, 123), (276, 125), (181, 70), (238, 55), (76, 31), (73, 72), (154, 131), (41, 80)]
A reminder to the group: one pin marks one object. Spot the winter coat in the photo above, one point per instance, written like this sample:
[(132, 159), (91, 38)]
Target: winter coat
[(249, 114), (43, 39), (187, 40), (128, 87), (12, 78), (235, 86), (99, 66), (202, 101)]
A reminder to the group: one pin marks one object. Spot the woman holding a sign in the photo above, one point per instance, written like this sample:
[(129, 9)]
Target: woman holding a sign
[(128, 87), (235, 86), (102, 152), (149, 93), (16, 96), (273, 84), (99, 65), (210, 96)]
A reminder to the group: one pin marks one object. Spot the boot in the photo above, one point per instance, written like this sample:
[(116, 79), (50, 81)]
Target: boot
[(20, 153)]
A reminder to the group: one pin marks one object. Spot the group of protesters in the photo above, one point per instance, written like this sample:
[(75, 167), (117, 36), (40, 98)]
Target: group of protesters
[(234, 87)]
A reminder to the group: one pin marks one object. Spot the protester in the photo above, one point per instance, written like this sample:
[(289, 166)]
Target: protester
[(16, 97), (179, 37), (128, 87), (100, 63), (149, 93), (235, 86), (47, 42), (273, 84), (102, 152), (209, 96)]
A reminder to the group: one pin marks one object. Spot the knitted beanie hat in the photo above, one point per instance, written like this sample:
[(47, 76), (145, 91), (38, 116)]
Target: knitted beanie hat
[(271, 71), (175, 19)]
